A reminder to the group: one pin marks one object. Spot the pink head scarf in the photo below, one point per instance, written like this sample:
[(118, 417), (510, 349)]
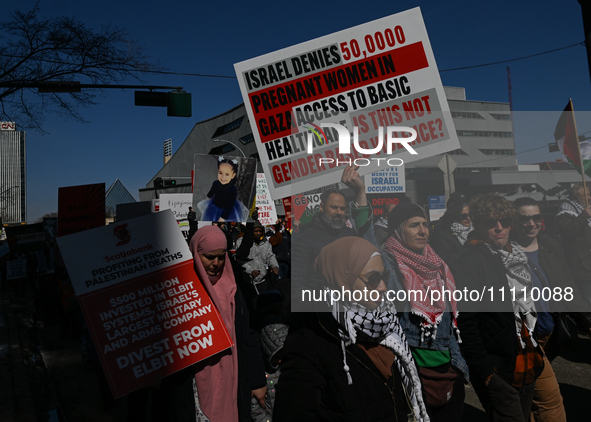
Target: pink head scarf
[(217, 378)]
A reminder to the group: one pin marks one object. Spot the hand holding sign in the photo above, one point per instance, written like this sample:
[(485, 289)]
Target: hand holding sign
[(352, 179)]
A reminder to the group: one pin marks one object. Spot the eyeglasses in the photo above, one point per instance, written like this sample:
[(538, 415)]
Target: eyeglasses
[(492, 222), (374, 279), (524, 219), (464, 216)]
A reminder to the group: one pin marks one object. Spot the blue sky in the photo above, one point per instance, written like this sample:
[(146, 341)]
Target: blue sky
[(123, 141)]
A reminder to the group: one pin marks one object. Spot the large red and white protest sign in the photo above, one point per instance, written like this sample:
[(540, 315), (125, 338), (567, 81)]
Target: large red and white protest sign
[(147, 311), (374, 76), (267, 211), (80, 208)]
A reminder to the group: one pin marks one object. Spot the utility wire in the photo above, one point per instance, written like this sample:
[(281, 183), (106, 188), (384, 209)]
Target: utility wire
[(165, 72), (513, 60), (441, 71)]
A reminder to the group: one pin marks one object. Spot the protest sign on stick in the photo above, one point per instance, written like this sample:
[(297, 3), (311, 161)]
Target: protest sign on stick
[(224, 188), (386, 181), (377, 83), (267, 213), (306, 204), (147, 311), (80, 208), (179, 204)]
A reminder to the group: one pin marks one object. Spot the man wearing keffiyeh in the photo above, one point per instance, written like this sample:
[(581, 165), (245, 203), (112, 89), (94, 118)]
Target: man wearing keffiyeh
[(499, 346)]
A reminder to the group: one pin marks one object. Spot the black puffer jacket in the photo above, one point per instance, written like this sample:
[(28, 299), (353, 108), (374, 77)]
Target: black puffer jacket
[(313, 384), (576, 239), (489, 339), (554, 264), (446, 244)]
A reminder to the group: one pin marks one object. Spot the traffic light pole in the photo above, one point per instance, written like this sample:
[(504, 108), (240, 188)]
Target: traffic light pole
[(177, 102), (74, 86)]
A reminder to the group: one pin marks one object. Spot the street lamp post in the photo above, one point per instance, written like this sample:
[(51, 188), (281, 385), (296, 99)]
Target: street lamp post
[(231, 143)]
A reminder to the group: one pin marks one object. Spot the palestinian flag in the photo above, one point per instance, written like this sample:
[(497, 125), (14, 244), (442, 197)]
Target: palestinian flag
[(567, 140)]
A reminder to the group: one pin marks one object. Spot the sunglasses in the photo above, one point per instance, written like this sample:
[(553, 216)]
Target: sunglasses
[(492, 222), (464, 216), (524, 219), (374, 279)]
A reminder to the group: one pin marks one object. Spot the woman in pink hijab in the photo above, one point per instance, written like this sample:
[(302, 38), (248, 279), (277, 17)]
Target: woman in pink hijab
[(225, 383)]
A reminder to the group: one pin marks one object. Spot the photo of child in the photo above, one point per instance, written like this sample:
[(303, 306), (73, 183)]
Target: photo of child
[(230, 195)]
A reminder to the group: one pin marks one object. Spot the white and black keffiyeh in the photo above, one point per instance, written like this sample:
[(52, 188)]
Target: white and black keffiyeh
[(382, 222), (572, 208), (519, 278), (382, 326), (461, 231)]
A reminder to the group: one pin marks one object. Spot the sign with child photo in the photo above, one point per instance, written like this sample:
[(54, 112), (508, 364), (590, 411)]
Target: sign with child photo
[(224, 188)]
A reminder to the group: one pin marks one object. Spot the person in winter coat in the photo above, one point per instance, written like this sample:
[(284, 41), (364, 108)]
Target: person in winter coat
[(352, 362), (429, 323), (192, 217), (326, 226), (272, 339), (452, 229), (219, 388), (261, 256), (498, 339), (548, 269), (574, 224), (282, 249)]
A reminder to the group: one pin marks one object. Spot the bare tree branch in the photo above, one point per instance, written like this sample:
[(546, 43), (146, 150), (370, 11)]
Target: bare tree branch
[(35, 49)]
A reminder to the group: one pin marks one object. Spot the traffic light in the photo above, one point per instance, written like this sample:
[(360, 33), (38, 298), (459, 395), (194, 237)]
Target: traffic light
[(158, 182), (179, 104), (171, 182)]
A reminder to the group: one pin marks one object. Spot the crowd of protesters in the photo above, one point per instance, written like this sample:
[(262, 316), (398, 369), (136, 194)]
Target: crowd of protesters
[(367, 358), (370, 359)]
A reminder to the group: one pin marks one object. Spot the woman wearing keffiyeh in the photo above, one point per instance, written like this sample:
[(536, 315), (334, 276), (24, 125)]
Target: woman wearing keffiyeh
[(498, 342), (352, 362), (429, 321)]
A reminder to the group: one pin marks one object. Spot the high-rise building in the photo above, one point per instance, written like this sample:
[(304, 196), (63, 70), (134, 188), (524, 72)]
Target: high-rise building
[(13, 174)]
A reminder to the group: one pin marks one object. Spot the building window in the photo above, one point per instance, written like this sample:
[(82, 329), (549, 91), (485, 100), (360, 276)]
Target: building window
[(222, 130), (465, 115), (497, 151), (222, 149), (501, 116), (247, 139), (485, 133)]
